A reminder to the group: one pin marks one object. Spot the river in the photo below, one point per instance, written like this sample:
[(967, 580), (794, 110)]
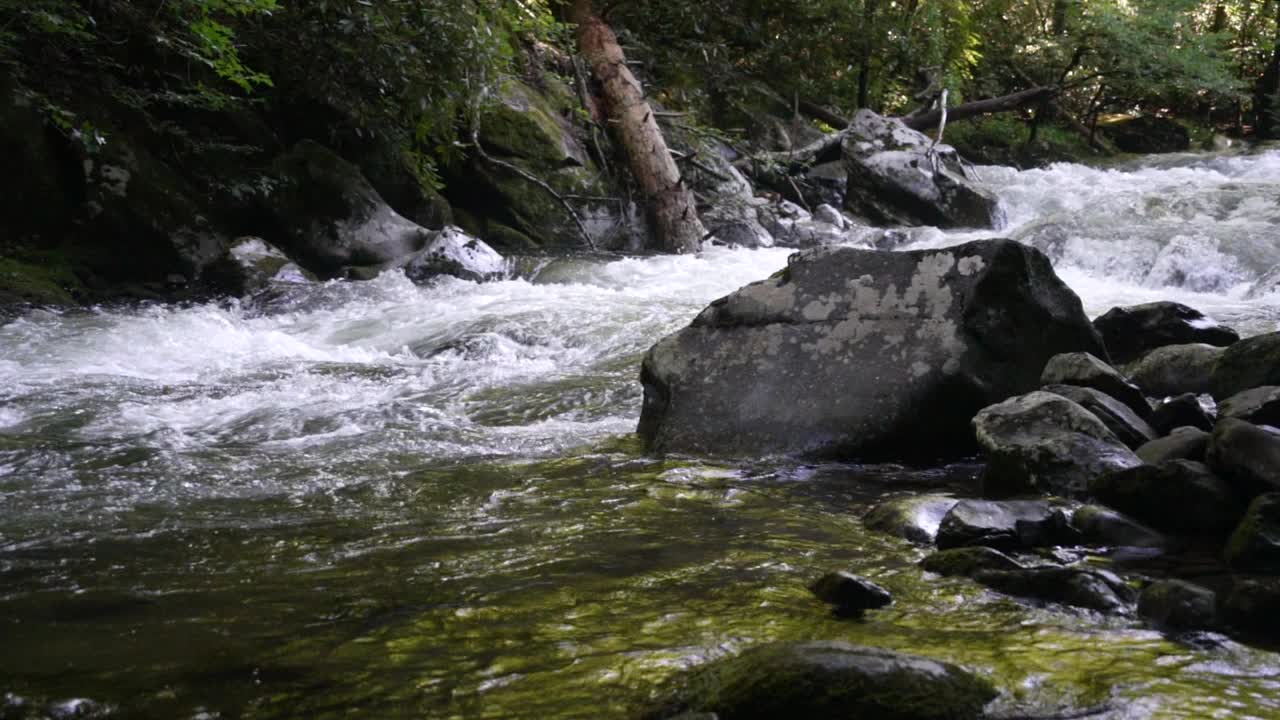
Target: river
[(385, 500)]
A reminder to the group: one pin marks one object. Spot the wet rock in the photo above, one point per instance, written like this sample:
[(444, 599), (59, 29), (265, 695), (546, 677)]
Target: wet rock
[(1250, 363), (1185, 410), (1260, 406), (1085, 370), (1179, 605), (1102, 526), (1246, 455), (334, 217), (1176, 369), (1132, 430), (252, 264), (453, 252), (1046, 443), (1179, 496), (1255, 545), (893, 179), (1129, 332), (1252, 606), (850, 594), (77, 709), (792, 226), (1184, 443), (1093, 589), (825, 183), (915, 518), (1004, 525), (917, 342), (965, 561), (831, 680)]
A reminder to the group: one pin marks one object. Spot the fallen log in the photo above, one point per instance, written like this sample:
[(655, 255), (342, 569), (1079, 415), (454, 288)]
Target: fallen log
[(929, 119)]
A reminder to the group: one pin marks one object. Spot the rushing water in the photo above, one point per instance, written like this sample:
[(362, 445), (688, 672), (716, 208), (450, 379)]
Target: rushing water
[(385, 500)]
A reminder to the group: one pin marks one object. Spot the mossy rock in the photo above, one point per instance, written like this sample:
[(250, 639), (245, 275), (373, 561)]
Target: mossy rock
[(524, 124), (47, 281), (1256, 542), (831, 680)]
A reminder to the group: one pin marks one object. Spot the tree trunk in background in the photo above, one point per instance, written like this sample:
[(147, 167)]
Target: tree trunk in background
[(668, 202)]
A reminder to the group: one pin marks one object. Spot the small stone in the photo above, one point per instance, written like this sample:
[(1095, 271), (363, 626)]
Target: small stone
[(1175, 370), (1251, 363), (849, 593), (1132, 430), (915, 517), (1253, 605), (1004, 525)]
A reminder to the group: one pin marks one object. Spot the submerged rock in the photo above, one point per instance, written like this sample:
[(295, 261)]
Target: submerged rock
[(1184, 410), (915, 517), (1255, 545), (1176, 369), (1129, 332), (916, 342), (965, 561), (1004, 525), (1250, 363), (1085, 370), (831, 680), (1260, 406), (1046, 443), (1246, 455), (1179, 496), (1093, 589), (1179, 605), (850, 594), (1132, 430), (897, 176), (1184, 443)]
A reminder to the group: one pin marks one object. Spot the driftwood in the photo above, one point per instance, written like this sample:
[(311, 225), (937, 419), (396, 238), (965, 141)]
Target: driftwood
[(1004, 103)]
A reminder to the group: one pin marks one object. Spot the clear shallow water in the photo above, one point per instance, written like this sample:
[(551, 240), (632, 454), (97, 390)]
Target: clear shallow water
[(425, 502)]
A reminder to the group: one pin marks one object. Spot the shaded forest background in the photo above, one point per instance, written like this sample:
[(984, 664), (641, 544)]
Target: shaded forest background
[(201, 97)]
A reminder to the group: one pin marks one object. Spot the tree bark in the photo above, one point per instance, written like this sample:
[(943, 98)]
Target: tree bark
[(669, 204), (926, 120)]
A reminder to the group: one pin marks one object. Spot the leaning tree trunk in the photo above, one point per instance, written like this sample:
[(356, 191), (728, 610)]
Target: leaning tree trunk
[(668, 202)]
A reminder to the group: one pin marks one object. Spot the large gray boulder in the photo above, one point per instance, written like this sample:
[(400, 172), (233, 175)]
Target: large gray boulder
[(1042, 442), (333, 218), (861, 353), (830, 680), (1250, 363), (1130, 332), (897, 176)]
